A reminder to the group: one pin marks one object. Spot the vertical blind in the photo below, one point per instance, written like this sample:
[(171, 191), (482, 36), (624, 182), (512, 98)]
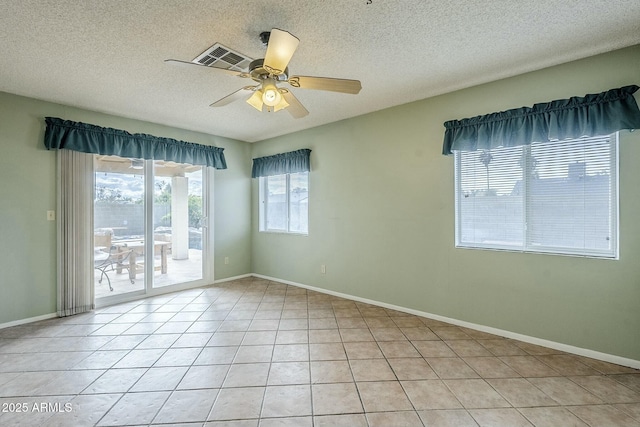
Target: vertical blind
[(75, 233), (543, 197)]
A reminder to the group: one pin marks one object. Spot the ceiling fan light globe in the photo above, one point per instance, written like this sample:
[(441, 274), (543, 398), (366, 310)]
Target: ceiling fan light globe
[(270, 94), (281, 105), (271, 97), (256, 100)]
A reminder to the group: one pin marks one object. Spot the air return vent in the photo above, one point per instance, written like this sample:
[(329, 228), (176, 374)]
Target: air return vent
[(220, 56)]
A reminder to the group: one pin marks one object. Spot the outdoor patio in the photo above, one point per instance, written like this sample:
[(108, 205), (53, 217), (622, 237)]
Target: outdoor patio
[(178, 271)]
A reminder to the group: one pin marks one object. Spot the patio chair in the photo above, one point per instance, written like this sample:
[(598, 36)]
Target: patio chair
[(108, 257)]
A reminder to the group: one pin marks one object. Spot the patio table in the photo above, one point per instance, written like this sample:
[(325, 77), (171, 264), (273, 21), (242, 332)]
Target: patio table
[(137, 248)]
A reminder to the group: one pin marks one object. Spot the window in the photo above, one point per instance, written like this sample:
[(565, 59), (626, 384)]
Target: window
[(553, 197), (284, 203)]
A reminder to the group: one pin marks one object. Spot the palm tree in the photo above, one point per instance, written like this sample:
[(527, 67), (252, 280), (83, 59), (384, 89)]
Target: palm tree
[(529, 163), (485, 158)]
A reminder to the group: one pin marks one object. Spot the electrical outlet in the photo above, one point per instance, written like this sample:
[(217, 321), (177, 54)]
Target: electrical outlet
[(51, 215), (323, 269), (226, 260)]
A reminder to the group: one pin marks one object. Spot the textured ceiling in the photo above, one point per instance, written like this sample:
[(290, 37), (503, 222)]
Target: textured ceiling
[(107, 55)]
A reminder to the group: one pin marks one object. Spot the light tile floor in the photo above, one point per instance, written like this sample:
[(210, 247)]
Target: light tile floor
[(258, 353)]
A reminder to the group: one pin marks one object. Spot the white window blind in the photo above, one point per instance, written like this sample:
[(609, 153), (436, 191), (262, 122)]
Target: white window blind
[(275, 198), (284, 203), (554, 197)]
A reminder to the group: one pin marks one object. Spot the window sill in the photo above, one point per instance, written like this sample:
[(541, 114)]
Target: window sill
[(289, 233), (541, 252)]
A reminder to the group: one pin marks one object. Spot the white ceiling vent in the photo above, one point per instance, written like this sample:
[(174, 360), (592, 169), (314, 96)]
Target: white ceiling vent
[(220, 56)]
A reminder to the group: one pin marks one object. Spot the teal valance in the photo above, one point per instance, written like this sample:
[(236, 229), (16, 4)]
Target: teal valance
[(93, 139), (279, 164), (591, 115)]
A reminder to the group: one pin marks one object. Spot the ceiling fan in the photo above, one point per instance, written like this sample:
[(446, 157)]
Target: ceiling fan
[(268, 72)]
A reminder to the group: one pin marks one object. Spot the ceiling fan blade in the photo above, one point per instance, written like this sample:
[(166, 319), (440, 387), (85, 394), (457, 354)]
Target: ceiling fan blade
[(295, 108), (280, 49), (326, 83), (193, 64), (239, 94)]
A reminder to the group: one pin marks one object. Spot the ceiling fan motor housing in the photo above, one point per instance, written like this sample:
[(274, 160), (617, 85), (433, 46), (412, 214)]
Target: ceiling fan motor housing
[(259, 73)]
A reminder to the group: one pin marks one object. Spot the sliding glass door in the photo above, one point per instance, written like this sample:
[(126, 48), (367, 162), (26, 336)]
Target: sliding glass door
[(149, 226), (178, 220)]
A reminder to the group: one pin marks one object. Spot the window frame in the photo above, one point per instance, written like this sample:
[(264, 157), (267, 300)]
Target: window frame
[(263, 200), (527, 246)]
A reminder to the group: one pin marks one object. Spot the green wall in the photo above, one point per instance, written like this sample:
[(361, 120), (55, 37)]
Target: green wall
[(381, 216), (28, 190), (382, 220)]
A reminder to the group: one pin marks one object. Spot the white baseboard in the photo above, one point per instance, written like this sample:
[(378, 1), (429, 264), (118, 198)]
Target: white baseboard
[(28, 320), (623, 361), (229, 279)]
